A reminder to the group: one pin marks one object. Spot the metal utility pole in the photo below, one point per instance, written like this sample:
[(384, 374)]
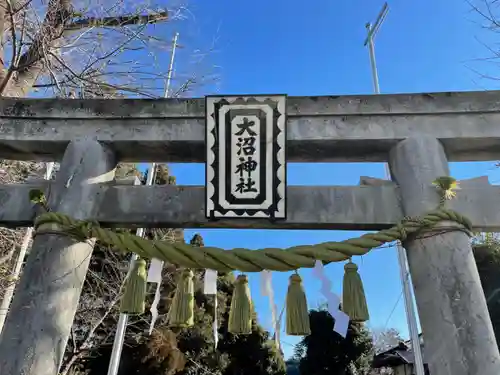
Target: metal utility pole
[(372, 32), (116, 353), (9, 291), (402, 259), (171, 65)]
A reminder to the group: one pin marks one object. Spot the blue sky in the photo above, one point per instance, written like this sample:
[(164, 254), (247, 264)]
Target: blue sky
[(316, 48)]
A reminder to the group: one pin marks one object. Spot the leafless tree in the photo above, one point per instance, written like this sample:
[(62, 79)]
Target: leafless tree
[(384, 339), (64, 47), (88, 49), (485, 14), (10, 240), (97, 316), (98, 308), (84, 48)]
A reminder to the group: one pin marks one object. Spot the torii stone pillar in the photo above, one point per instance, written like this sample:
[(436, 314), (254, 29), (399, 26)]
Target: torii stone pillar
[(457, 329), (41, 315)]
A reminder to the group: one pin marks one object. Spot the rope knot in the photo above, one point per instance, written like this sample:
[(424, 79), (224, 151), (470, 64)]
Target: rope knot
[(295, 279), (403, 234), (242, 279), (350, 267), (187, 274)]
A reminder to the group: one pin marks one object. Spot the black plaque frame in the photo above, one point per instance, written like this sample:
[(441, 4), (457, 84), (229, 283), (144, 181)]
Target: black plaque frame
[(270, 203)]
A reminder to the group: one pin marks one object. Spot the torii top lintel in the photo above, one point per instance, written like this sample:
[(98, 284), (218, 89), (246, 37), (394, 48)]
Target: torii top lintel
[(319, 128)]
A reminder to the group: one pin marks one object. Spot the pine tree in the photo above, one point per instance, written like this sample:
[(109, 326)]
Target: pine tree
[(292, 367), (325, 352), (253, 354)]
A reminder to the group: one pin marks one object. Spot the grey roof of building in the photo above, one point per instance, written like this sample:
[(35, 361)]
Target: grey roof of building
[(401, 354)]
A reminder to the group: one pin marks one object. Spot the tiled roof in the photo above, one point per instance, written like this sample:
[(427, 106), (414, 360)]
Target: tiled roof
[(398, 355)]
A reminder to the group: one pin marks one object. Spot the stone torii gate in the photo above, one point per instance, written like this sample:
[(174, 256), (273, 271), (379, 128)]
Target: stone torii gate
[(417, 134)]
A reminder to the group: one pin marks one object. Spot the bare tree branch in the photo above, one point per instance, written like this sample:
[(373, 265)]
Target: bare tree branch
[(60, 21), (489, 20), (117, 21)]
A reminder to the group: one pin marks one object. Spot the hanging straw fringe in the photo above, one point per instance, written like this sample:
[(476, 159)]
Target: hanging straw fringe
[(297, 315), (181, 313), (246, 260), (132, 302), (240, 313), (353, 295)]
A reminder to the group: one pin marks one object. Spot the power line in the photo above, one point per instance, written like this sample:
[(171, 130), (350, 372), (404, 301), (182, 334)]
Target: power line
[(392, 311)]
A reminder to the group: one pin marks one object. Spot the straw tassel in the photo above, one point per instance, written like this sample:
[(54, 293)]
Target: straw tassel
[(181, 313), (353, 296), (297, 315), (132, 302), (240, 313)]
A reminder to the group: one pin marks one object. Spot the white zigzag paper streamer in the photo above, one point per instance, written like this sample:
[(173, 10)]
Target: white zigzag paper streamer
[(333, 301), (210, 287), (266, 289), (154, 276)]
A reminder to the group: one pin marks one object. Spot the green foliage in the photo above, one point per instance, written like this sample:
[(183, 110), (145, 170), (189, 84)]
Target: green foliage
[(487, 255), (292, 367), (37, 197), (162, 175), (151, 356), (197, 240), (253, 354), (325, 352), (250, 354), (127, 170)]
